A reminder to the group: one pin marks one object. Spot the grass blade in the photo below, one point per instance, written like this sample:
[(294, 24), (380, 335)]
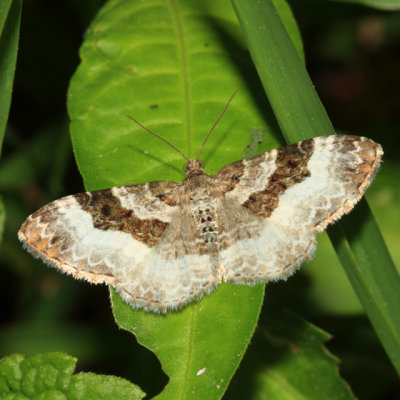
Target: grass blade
[(9, 35), (301, 115)]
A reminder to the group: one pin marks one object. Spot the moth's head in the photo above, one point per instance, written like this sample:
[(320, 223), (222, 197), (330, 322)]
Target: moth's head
[(193, 166)]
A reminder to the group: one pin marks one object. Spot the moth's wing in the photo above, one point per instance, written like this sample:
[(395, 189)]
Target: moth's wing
[(99, 236), (135, 238), (284, 197)]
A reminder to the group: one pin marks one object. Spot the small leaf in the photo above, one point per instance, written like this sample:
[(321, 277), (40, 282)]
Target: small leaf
[(50, 376), (88, 386), (287, 360)]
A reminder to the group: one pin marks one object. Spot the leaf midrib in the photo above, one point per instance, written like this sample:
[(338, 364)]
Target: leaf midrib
[(181, 42), (189, 356), (177, 17)]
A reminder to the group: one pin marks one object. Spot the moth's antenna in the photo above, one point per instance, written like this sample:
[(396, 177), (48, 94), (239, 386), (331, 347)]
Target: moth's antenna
[(215, 124), (158, 136)]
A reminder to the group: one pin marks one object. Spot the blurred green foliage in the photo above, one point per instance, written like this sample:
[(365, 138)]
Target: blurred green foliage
[(50, 376)]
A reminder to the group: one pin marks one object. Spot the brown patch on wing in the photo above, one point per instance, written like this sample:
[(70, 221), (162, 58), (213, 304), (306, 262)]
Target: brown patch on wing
[(291, 168), (164, 191), (108, 214), (229, 176)]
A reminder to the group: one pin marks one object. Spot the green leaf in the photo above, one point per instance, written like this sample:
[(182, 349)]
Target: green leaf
[(358, 242), (201, 346), (379, 4), (287, 360), (50, 376), (89, 386), (4, 10), (10, 15)]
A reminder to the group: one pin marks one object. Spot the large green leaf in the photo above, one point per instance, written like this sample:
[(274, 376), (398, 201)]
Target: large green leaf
[(165, 64), (201, 346), (172, 65), (358, 242), (50, 376), (10, 15)]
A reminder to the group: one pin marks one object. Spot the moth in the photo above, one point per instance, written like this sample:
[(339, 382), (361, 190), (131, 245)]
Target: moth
[(163, 244)]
